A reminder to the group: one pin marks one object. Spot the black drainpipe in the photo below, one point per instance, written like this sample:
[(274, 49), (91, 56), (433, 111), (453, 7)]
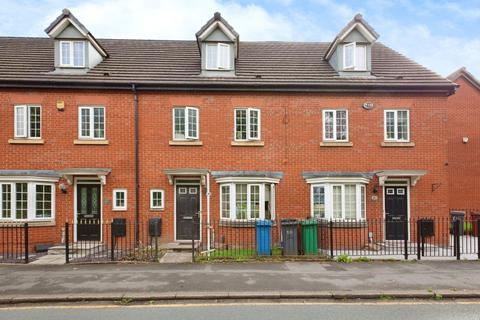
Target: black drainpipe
[(137, 170)]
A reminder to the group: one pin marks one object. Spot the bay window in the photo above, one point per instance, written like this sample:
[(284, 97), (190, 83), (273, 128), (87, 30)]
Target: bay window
[(343, 202), (27, 201), (247, 201)]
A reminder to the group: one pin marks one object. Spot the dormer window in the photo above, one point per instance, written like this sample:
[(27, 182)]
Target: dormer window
[(72, 54), (218, 56), (354, 57)]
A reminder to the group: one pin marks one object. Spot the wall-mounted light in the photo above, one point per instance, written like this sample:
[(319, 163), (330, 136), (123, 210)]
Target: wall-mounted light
[(465, 139), (60, 105), (62, 187)]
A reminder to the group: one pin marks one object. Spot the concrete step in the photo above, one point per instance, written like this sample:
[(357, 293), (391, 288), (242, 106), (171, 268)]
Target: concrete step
[(77, 248), (178, 246)]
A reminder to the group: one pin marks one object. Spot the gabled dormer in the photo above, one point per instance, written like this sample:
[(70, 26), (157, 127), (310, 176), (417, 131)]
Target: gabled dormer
[(76, 49), (350, 53), (218, 45)]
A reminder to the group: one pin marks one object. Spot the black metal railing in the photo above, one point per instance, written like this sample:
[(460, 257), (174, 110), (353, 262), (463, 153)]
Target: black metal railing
[(413, 238), (14, 246), (112, 241)]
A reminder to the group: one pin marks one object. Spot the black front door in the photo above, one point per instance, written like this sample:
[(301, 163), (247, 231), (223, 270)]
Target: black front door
[(188, 206), (88, 212), (396, 212)]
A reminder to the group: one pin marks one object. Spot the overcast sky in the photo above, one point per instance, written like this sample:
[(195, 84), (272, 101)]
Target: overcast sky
[(442, 35)]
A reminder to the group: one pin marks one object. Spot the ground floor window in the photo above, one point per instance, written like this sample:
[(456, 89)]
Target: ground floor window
[(247, 201), (22, 201), (338, 201)]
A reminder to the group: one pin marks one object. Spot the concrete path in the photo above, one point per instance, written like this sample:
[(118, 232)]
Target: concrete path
[(176, 257), (236, 280)]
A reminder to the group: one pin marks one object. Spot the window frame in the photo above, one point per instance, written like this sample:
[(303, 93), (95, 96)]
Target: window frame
[(218, 65), (31, 200), (232, 187), (71, 55), (186, 124), (115, 207), (334, 139), (91, 121), (162, 205), (360, 204), (395, 123), (248, 124), (27, 124), (354, 66)]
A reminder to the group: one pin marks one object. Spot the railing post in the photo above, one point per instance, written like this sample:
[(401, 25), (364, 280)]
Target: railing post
[(457, 238), (331, 238), (67, 244), (112, 243), (193, 238), (419, 230), (26, 242), (478, 238), (405, 238)]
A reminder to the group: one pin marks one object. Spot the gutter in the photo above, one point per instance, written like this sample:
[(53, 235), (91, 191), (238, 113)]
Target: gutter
[(447, 89), (137, 167)]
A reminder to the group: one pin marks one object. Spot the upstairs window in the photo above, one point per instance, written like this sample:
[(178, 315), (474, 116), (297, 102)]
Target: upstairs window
[(335, 125), (91, 123), (27, 121), (355, 57), (397, 125), (72, 54), (218, 56), (247, 124), (185, 123)]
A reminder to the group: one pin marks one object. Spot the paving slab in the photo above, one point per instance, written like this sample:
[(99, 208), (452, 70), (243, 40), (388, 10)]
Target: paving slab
[(176, 257)]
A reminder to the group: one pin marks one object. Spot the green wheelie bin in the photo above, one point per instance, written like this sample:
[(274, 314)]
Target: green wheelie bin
[(309, 237)]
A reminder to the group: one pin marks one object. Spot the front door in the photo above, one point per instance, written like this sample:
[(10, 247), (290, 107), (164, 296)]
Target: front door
[(88, 212), (396, 212), (188, 206)]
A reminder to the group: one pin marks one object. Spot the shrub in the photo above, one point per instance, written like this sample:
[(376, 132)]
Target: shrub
[(344, 258)]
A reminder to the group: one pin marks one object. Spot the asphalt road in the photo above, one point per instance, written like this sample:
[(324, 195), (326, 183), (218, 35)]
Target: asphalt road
[(264, 311)]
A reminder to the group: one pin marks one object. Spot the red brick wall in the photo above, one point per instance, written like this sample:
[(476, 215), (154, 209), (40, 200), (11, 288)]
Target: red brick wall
[(464, 159), (291, 129)]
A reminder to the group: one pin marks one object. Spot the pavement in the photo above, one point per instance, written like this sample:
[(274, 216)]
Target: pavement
[(258, 280)]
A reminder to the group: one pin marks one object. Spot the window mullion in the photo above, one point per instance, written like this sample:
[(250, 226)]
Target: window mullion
[(91, 125), (395, 124), (343, 215), (334, 124), (233, 202), (248, 124), (261, 198), (186, 123), (357, 202), (249, 216), (31, 204)]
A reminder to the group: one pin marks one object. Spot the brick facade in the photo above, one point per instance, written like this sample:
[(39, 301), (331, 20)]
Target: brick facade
[(463, 158), (291, 130)]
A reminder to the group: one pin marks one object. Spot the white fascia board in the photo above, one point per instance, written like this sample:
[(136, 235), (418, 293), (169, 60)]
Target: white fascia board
[(29, 178), (213, 26), (247, 180), (367, 34), (337, 180)]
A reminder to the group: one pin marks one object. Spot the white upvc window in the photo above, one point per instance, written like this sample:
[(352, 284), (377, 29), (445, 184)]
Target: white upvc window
[(91, 122), (247, 124), (247, 201), (335, 125), (355, 57), (157, 199), (72, 54), (119, 199), (27, 201), (27, 121), (185, 123), (397, 125), (217, 56), (338, 201)]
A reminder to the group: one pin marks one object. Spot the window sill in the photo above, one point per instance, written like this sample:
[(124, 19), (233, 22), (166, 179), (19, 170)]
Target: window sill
[(185, 143), (336, 144), (247, 143), (116, 210), (26, 141), (387, 144), (49, 223), (90, 142), (157, 209)]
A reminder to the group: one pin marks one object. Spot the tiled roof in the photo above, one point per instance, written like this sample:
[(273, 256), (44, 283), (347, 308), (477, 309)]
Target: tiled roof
[(463, 72), (260, 65)]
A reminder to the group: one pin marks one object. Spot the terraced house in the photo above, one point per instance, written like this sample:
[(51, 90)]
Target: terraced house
[(97, 129)]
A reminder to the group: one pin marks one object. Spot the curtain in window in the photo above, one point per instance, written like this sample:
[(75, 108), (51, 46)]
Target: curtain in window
[(361, 57), (350, 202), (337, 202), (212, 58), (241, 201), (78, 54)]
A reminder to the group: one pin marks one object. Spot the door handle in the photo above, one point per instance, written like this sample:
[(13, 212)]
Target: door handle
[(187, 218)]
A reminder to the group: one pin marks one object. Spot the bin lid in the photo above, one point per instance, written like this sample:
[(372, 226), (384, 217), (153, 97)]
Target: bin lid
[(264, 223), (309, 222), (289, 222)]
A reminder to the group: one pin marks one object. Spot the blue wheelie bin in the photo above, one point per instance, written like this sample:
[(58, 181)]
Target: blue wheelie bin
[(264, 237)]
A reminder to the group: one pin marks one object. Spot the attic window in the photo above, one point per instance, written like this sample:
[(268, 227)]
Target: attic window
[(354, 57), (72, 54), (218, 56)]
